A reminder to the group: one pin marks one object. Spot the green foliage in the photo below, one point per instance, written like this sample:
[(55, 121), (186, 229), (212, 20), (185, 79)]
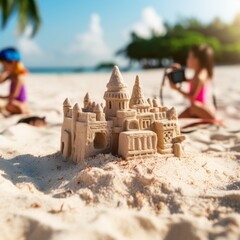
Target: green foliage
[(105, 65), (27, 11), (224, 38)]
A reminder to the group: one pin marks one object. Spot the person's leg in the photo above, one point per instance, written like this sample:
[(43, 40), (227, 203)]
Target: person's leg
[(185, 114), (201, 111), (17, 107)]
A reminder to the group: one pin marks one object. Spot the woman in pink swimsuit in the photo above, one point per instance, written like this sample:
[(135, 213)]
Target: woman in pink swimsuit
[(201, 60), (13, 70)]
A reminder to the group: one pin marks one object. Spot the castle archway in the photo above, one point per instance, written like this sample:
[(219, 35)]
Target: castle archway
[(100, 140)]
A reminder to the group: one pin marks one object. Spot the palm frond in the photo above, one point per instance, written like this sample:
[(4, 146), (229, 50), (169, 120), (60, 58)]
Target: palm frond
[(34, 16), (28, 14), (7, 7), (23, 15)]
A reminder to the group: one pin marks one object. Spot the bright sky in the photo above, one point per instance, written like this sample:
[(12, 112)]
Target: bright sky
[(76, 33)]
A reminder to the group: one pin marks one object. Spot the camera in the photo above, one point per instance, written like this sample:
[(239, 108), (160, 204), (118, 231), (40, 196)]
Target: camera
[(176, 75)]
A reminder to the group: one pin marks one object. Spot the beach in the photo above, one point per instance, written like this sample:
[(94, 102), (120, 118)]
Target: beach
[(45, 197)]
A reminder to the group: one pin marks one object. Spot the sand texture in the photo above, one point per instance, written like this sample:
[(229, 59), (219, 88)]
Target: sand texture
[(43, 197)]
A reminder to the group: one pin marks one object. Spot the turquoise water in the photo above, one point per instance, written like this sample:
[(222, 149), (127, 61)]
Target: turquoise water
[(65, 70), (60, 70)]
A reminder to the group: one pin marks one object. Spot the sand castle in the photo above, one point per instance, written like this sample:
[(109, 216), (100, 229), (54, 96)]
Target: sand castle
[(130, 127)]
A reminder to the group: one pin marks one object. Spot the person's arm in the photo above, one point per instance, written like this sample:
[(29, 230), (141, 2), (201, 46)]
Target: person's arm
[(4, 76), (192, 95)]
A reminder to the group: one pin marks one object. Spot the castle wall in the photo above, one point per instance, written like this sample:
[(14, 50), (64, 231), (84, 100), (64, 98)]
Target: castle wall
[(80, 142), (66, 133), (92, 138), (166, 131), (86, 117), (137, 143)]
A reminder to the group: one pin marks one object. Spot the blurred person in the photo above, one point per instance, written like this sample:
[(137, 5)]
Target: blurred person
[(201, 60), (14, 71)]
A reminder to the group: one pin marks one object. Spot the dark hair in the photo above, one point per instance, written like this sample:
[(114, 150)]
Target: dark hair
[(204, 53)]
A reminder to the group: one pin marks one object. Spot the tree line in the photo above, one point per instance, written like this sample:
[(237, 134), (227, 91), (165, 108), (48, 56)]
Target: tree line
[(174, 45)]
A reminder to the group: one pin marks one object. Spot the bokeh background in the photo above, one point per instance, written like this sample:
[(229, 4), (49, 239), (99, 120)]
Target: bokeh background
[(89, 35)]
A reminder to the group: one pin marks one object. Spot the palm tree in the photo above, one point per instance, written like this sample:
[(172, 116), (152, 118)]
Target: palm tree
[(27, 10)]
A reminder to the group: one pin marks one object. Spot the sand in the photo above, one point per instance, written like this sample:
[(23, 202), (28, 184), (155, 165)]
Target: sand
[(43, 197)]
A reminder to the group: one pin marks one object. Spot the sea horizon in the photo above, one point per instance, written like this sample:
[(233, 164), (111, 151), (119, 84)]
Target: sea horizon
[(72, 70)]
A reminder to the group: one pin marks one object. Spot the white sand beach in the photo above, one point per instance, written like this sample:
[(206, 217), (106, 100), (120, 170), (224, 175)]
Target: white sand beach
[(195, 197)]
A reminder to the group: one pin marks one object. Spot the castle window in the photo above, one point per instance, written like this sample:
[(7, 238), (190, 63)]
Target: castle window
[(110, 105), (120, 106), (100, 141), (146, 123)]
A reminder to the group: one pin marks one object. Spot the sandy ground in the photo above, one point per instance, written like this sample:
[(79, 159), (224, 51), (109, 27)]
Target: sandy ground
[(43, 197)]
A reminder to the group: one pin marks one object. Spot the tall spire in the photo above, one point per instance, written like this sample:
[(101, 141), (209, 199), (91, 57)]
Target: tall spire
[(150, 102), (87, 98), (137, 97), (116, 96), (87, 101), (67, 103), (156, 102), (98, 108), (116, 80), (77, 108)]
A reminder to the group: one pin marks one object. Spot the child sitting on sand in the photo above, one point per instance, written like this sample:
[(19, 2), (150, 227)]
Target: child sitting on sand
[(201, 60), (14, 71)]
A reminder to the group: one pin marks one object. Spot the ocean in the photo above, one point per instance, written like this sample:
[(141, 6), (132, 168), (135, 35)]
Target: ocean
[(70, 70)]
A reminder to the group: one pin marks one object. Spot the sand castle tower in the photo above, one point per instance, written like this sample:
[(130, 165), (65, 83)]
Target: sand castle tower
[(100, 116), (75, 115), (67, 105), (137, 100), (87, 103), (116, 96)]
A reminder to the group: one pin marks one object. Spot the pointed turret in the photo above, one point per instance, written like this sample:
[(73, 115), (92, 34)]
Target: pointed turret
[(137, 98), (100, 116), (86, 100), (93, 105), (137, 95), (116, 80), (98, 109), (77, 108), (150, 102), (75, 115), (116, 96), (87, 97), (156, 102), (67, 105), (172, 114)]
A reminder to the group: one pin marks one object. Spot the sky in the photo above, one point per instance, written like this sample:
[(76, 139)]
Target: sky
[(83, 33)]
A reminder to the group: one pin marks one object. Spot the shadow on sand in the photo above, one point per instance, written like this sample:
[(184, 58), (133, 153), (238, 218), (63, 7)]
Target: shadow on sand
[(46, 173)]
